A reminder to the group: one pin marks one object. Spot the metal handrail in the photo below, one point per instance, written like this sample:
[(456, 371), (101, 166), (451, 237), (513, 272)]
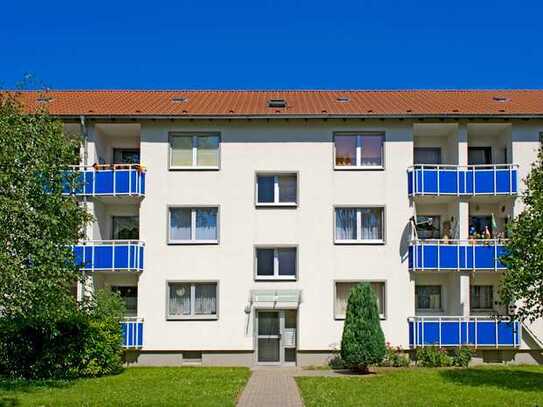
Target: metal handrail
[(449, 242), (458, 167), (110, 242), (108, 167)]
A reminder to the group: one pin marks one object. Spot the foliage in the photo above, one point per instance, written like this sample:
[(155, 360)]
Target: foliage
[(395, 357), (482, 386), (38, 224), (363, 342), (433, 356), (461, 356), (142, 386), (336, 362), (523, 280), (85, 343)]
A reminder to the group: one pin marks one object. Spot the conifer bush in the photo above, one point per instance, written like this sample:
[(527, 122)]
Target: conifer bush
[(363, 342)]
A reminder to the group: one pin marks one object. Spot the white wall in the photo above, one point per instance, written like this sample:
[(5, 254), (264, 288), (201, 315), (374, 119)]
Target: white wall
[(305, 148)]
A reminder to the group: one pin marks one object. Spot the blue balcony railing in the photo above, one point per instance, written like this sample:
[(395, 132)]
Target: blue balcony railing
[(111, 180), (456, 254), (132, 333), (464, 331), (501, 179), (110, 255)]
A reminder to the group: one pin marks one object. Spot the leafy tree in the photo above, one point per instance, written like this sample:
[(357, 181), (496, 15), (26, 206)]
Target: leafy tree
[(38, 224), (523, 280), (363, 342), (45, 332)]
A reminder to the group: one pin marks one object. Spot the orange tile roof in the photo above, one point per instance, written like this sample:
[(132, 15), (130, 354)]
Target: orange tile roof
[(300, 103)]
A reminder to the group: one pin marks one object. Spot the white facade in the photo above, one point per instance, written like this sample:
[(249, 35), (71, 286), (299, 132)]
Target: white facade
[(304, 148)]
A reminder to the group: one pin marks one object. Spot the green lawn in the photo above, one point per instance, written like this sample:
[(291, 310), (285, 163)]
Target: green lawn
[(138, 386), (481, 386)]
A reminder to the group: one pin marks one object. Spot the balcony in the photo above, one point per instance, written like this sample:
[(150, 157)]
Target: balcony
[(118, 180), (464, 331), (471, 180), (456, 254), (110, 255), (132, 333)]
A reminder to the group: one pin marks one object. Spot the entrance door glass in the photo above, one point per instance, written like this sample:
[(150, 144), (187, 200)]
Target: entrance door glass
[(269, 337)]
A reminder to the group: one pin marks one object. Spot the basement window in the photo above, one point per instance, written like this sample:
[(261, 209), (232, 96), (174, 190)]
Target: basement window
[(277, 103)]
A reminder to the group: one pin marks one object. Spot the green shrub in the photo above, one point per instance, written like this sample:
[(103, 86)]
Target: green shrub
[(461, 356), (87, 342), (395, 357), (363, 342), (336, 362), (433, 356)]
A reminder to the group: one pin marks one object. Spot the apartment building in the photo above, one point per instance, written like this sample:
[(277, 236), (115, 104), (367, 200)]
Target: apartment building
[(234, 223)]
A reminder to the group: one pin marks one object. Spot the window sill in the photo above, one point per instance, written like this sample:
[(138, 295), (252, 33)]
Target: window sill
[(342, 317), (275, 278), (359, 242), (196, 168), (193, 242), (193, 318), (359, 167), (276, 205)]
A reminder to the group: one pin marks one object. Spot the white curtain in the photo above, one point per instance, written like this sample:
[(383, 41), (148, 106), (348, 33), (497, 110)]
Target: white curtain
[(205, 301), (371, 153), (180, 223), (372, 224), (206, 224), (181, 151), (345, 224), (179, 299), (207, 152)]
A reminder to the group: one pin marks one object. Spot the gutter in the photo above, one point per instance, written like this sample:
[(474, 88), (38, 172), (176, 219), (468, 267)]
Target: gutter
[(302, 117)]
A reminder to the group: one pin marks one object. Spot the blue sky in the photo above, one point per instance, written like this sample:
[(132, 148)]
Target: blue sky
[(268, 44)]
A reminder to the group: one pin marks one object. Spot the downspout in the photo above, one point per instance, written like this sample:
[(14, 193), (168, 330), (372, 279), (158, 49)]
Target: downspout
[(82, 292)]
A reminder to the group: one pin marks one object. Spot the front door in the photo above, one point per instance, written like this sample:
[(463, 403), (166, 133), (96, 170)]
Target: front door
[(276, 337)]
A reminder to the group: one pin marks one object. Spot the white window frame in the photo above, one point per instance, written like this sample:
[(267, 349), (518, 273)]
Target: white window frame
[(441, 298), (276, 176), (193, 210), (359, 239), (358, 155), (382, 316), (275, 275), (194, 165), (192, 316)]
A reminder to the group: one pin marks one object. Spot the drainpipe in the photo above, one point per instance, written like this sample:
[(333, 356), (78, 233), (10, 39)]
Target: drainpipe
[(82, 291)]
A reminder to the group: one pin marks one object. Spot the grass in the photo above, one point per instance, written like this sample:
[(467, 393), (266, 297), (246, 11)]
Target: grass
[(138, 386), (480, 386)]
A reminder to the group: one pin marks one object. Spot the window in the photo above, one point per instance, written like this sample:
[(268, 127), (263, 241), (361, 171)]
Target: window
[(188, 300), (359, 150), (125, 228), (126, 156), (428, 227), (279, 190), (129, 295), (427, 155), (482, 297), (478, 226), (479, 155), (193, 225), (276, 263), (428, 297), (343, 289), (359, 225), (198, 151)]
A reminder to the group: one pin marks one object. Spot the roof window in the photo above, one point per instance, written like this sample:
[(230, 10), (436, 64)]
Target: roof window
[(500, 99), (277, 103), (343, 99), (179, 99)]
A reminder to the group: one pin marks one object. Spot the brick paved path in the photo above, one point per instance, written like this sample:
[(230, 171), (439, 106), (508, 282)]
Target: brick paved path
[(271, 387)]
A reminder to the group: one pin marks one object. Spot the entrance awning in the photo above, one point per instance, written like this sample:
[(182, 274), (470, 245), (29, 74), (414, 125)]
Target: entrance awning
[(276, 299)]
